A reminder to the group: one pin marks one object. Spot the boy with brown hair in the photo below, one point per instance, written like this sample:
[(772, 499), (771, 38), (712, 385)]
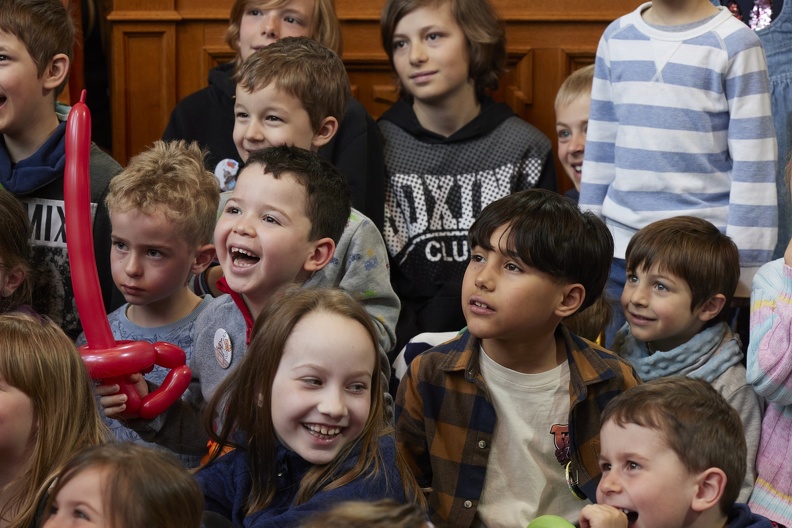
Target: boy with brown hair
[(36, 42), (681, 273), (673, 456), (207, 116), (502, 422)]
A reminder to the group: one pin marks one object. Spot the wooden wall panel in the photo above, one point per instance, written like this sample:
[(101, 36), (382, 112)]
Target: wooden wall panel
[(143, 84), (164, 49)]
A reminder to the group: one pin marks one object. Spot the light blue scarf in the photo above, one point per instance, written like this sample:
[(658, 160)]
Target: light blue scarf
[(706, 356)]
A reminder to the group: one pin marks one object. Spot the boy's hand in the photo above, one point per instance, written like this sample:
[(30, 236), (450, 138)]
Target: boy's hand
[(602, 516), (114, 403)]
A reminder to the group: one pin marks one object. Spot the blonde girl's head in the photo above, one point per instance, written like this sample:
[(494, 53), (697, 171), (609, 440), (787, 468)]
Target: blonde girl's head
[(484, 34), (39, 360), (138, 486), (323, 28), (249, 388)]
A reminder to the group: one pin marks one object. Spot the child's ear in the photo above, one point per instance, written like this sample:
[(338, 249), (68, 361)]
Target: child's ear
[(710, 485), (14, 278), (574, 295), (56, 71), (327, 129), (711, 307), (324, 249), (203, 258)]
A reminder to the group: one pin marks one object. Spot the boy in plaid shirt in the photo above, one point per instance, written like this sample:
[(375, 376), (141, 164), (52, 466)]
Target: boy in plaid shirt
[(502, 422)]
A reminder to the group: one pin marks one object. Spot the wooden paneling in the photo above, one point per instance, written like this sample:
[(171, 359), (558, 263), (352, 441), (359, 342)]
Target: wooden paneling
[(162, 50)]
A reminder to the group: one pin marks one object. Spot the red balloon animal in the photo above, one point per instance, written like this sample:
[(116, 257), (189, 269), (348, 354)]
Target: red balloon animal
[(106, 359)]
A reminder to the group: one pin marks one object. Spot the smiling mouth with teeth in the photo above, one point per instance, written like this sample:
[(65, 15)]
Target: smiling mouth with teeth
[(322, 431), (243, 257)]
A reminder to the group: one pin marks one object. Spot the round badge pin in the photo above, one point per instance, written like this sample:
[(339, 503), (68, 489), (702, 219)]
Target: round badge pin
[(222, 348)]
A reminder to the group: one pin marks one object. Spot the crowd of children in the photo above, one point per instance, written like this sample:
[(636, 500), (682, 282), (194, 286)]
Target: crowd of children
[(555, 359)]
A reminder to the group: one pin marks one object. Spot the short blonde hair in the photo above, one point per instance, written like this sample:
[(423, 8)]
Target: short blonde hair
[(304, 69), (170, 178), (575, 86), (325, 27)]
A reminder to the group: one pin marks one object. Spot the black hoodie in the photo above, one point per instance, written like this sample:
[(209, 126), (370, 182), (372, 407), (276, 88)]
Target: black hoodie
[(435, 187)]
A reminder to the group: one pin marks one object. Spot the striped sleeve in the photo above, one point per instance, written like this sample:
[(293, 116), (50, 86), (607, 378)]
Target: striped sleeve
[(753, 214)]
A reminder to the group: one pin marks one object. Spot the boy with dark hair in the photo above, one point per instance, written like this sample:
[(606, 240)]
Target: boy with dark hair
[(673, 456), (36, 39), (501, 420), (681, 273)]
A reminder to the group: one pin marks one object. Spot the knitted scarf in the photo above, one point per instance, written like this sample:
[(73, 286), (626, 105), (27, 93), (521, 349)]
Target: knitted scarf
[(706, 356)]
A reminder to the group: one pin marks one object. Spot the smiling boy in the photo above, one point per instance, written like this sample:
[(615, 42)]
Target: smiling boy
[(493, 421), (673, 456), (681, 272)]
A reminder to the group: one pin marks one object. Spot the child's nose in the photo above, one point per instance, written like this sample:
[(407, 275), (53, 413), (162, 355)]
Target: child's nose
[(578, 143), (417, 53), (609, 483), (133, 267), (332, 404), (253, 132), (242, 227), (271, 26), (484, 278), (638, 296)]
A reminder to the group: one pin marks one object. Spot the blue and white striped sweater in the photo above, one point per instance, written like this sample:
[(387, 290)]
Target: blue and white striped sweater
[(680, 124)]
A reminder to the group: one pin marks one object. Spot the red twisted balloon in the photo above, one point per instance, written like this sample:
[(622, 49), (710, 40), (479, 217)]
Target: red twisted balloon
[(104, 358)]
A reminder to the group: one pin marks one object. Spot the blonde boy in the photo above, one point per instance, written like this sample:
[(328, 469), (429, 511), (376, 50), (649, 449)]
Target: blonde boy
[(572, 115), (162, 209), (672, 456), (36, 41)]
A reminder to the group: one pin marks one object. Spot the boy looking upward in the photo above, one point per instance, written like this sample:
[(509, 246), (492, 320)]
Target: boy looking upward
[(485, 420), (163, 209), (36, 42), (681, 125), (673, 456)]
